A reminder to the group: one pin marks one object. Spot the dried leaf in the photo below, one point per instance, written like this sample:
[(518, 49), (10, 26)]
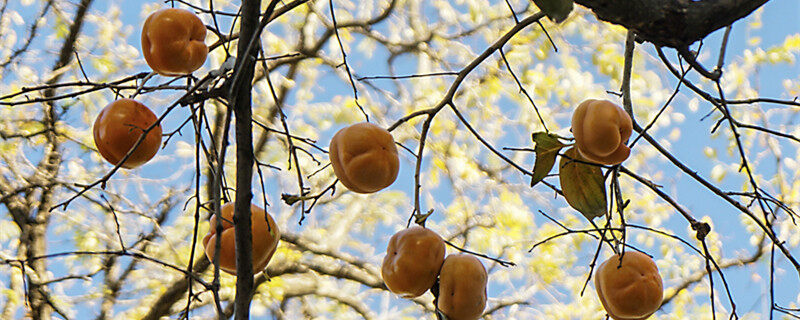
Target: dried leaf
[(290, 199), (583, 185), (556, 10), (547, 147)]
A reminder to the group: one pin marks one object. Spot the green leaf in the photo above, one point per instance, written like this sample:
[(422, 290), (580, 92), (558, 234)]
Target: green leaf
[(556, 10), (547, 147), (583, 185)]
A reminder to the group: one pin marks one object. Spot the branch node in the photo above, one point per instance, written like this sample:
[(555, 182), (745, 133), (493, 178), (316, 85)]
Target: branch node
[(702, 228)]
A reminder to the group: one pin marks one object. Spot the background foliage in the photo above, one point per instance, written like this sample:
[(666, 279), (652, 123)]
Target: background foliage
[(121, 248)]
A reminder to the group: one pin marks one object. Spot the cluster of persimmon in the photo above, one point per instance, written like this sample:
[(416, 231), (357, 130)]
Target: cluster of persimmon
[(415, 259), (173, 45), (629, 287), (364, 159)]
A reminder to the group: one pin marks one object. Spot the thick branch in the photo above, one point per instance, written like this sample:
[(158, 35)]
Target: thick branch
[(241, 96), (672, 23)]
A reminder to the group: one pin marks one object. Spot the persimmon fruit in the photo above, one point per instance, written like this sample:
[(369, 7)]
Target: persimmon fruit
[(265, 239), (630, 290), (462, 287), (119, 126), (364, 157), (412, 262), (601, 129), (173, 42)]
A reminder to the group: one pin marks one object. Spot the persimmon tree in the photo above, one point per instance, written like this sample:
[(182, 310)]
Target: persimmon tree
[(478, 96)]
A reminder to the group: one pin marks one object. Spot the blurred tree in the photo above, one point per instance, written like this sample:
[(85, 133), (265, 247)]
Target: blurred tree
[(462, 86)]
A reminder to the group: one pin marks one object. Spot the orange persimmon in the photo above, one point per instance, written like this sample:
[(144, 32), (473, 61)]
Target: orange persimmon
[(462, 287), (413, 259), (631, 290), (265, 239), (173, 42), (601, 129), (117, 128), (364, 157)]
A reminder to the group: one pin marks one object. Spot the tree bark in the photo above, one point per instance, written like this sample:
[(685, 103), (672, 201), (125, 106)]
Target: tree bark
[(241, 99), (672, 23)]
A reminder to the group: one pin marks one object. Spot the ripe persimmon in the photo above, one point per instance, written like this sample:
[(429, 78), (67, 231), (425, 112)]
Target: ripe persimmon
[(462, 287), (265, 239), (630, 290), (117, 128), (173, 42), (601, 129), (412, 262), (364, 157)]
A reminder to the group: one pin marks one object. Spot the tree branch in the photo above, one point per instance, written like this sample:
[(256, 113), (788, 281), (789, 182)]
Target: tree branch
[(672, 23)]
